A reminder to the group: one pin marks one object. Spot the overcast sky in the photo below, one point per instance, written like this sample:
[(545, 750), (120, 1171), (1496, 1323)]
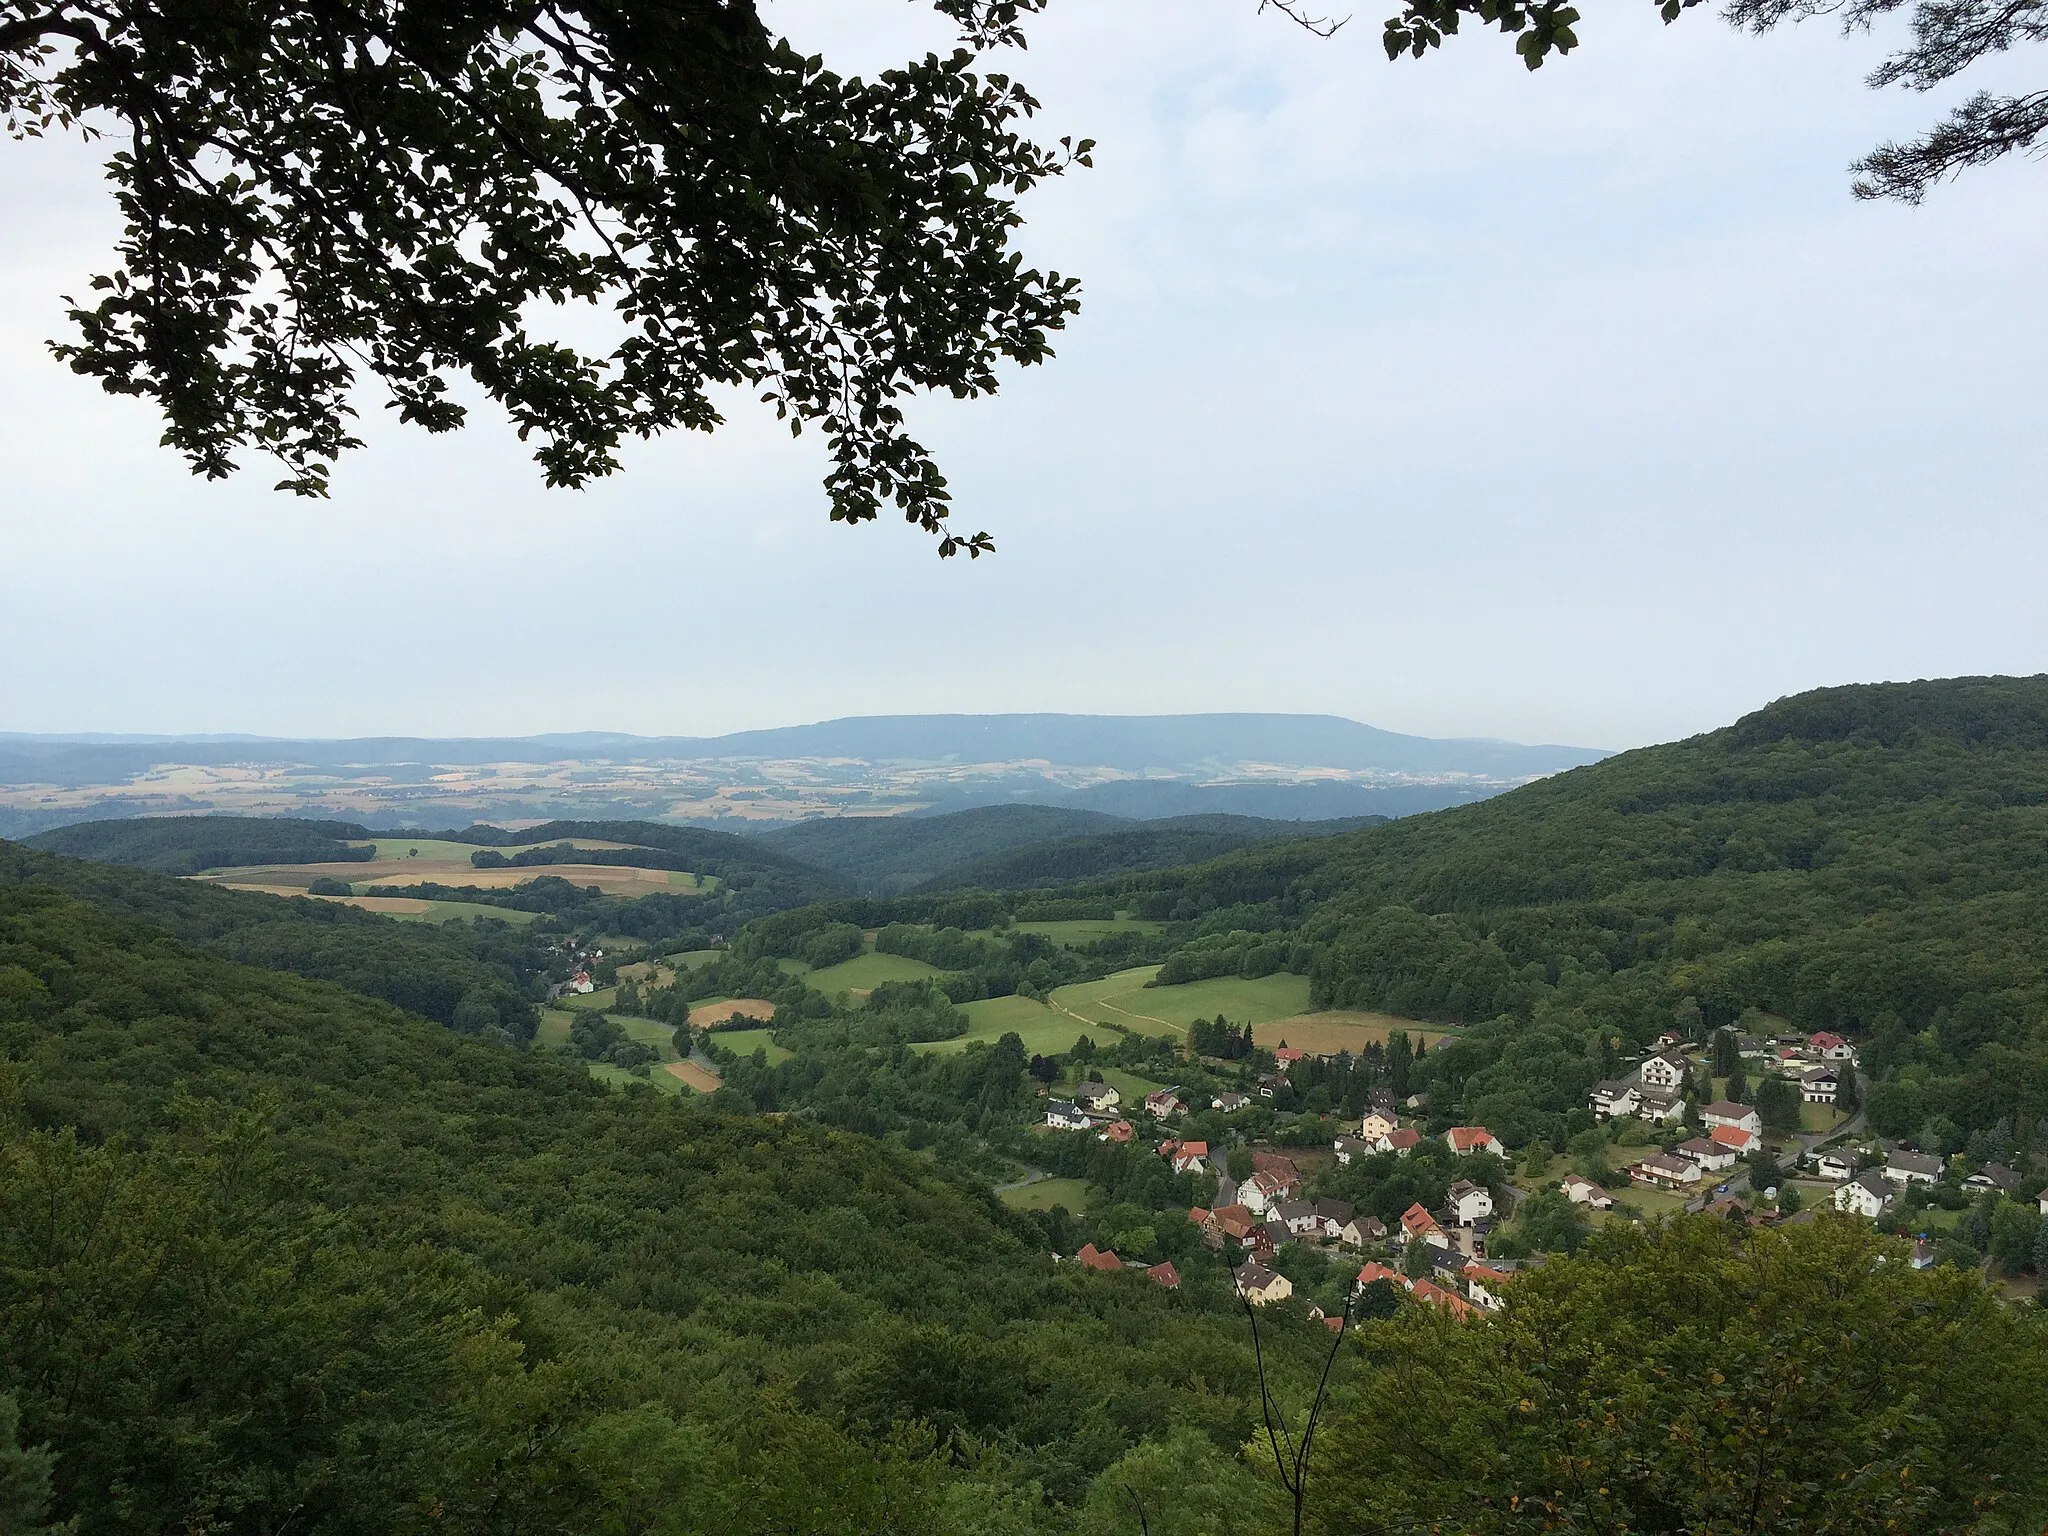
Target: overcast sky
[(1581, 406)]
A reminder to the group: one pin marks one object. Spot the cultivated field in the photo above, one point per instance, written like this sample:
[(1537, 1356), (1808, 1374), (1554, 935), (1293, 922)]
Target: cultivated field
[(420, 861), (717, 1010), (693, 1077), (1341, 1030)]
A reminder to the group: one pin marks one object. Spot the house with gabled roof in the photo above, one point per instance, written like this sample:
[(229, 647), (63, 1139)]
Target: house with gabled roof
[(1865, 1195), (1348, 1147), (1400, 1142), (1062, 1116), (1739, 1139), (1711, 1155), (1665, 1072), (1300, 1218), (1658, 1108), (1727, 1112), (1263, 1191), (1663, 1171), (1468, 1202), (1819, 1085), (1992, 1177), (1581, 1190), (1417, 1223), (1472, 1138), (1484, 1284), (1904, 1167), (1096, 1095), (1260, 1285), (1091, 1257), (1429, 1291), (1375, 1271), (1375, 1125), (1118, 1131), (1191, 1157), (1833, 1166), (1333, 1214), (1613, 1099), (1230, 1223), (1163, 1104), (1362, 1230), (1229, 1103), (1164, 1274)]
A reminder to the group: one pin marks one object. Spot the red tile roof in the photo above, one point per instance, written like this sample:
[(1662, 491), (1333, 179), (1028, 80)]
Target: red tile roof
[(1165, 1274), (1465, 1138), (1092, 1257)]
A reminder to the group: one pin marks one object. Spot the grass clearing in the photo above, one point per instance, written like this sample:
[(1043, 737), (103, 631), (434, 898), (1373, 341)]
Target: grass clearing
[(1125, 999), (648, 1032), (1047, 1193), (863, 973), (589, 1002), (553, 1030), (1347, 1029), (744, 1042), (1044, 1032), (1819, 1119), (618, 1077), (690, 959), (1131, 1086), (1651, 1202)]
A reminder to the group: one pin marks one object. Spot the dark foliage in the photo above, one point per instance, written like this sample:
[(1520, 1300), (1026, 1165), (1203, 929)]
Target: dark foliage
[(185, 845)]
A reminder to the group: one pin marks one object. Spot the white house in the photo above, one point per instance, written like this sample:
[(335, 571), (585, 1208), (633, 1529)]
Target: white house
[(1472, 1138), (1484, 1283), (1163, 1104), (1830, 1047), (1262, 1192), (1300, 1217), (1399, 1142), (1660, 1107), (1062, 1116), (1722, 1112), (1865, 1195), (1819, 1085), (1711, 1155), (1361, 1230), (1664, 1171), (1904, 1167), (1348, 1147), (1610, 1101), (1581, 1190), (1469, 1202), (2044, 1202), (1833, 1166), (1664, 1072), (1229, 1103)]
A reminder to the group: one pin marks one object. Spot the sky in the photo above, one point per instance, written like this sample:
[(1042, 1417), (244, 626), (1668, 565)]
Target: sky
[(1578, 406)]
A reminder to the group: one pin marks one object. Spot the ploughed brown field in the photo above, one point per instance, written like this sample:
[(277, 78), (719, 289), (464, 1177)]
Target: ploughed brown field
[(693, 1076), (703, 1015), (292, 879)]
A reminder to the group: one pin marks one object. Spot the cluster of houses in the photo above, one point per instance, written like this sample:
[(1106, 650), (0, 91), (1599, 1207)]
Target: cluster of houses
[(1869, 1191), (1655, 1091), (1732, 1131), (1091, 1257), (1093, 1106), (1379, 1132)]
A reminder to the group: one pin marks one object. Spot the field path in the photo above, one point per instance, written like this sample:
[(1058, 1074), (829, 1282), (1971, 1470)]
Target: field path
[(1103, 1002)]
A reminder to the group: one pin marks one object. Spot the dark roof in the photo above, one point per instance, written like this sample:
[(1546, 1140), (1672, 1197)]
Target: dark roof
[(1253, 1276), (1917, 1162), (1338, 1211)]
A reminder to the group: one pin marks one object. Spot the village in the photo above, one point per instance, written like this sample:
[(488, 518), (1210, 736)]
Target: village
[(1664, 1140)]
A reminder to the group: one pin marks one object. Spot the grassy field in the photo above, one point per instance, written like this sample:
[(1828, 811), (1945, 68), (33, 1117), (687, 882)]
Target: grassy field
[(410, 909), (1651, 1202), (1073, 933), (1819, 1118), (863, 973), (1340, 1030), (745, 1042), (1124, 999), (1047, 1193), (647, 1032), (657, 1078), (1044, 1032), (553, 1030), (716, 1010), (589, 1002), (690, 959)]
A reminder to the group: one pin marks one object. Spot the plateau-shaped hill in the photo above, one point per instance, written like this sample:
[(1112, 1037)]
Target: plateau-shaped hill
[(886, 854)]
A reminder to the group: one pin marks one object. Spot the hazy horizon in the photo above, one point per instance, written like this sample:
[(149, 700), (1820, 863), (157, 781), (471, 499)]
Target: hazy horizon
[(1575, 406)]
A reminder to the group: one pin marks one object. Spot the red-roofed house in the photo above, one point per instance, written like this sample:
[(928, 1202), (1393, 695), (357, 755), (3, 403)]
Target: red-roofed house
[(1738, 1139), (1722, 1112), (1191, 1157), (1164, 1274), (1287, 1056), (1400, 1142), (1092, 1257), (1418, 1223), (1483, 1283), (1197, 1215), (1234, 1222), (1118, 1131), (1279, 1164), (1472, 1138), (1437, 1296), (1378, 1271)]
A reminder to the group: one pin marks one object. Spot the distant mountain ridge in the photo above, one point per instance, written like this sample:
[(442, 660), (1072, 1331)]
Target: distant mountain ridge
[(1124, 743)]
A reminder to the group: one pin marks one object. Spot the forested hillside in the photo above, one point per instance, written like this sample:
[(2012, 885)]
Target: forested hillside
[(184, 845), (1872, 860), (476, 978), (280, 1256), (1131, 849)]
